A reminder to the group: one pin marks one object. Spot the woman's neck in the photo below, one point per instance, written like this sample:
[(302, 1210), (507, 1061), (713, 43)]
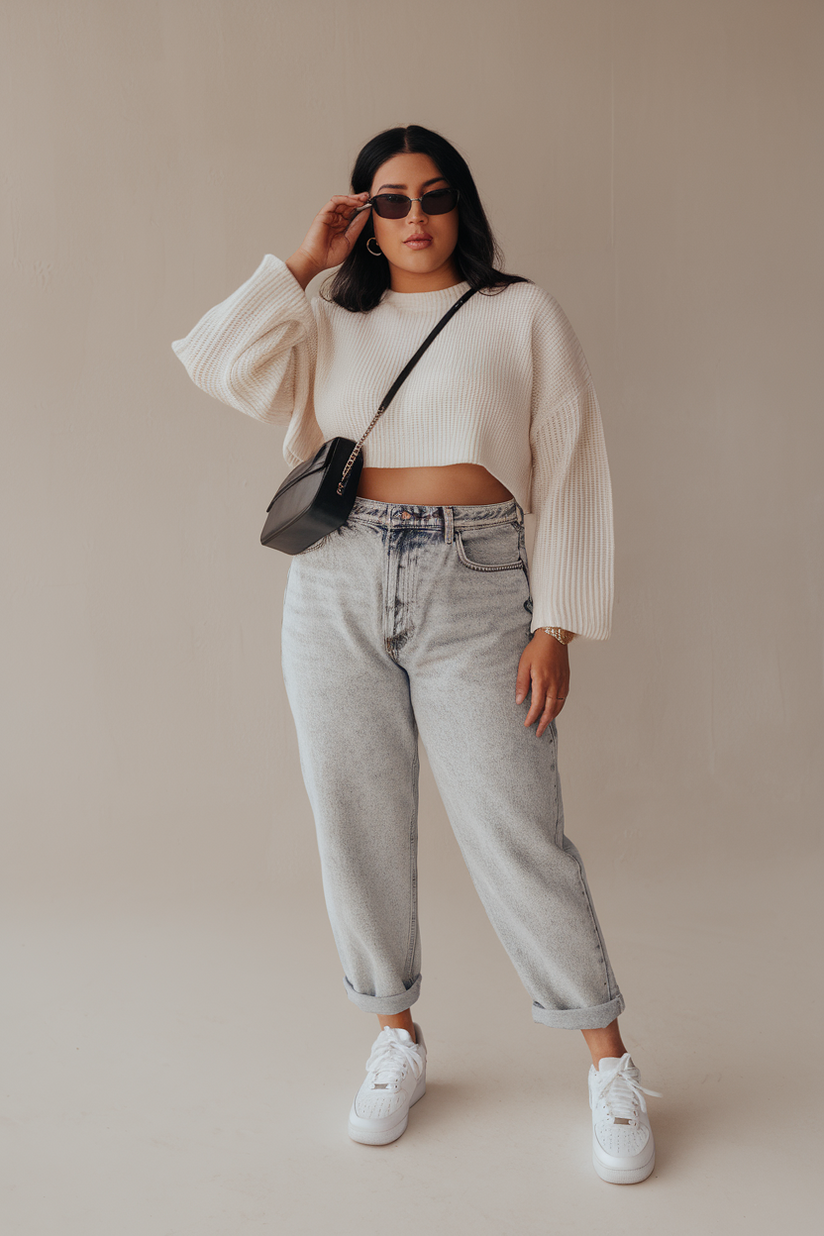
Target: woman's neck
[(445, 276)]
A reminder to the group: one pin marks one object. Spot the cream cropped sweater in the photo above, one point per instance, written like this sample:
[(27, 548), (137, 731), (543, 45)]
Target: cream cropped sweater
[(504, 385)]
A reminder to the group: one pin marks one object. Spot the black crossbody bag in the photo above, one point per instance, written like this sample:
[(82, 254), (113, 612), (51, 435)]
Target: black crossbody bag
[(317, 496)]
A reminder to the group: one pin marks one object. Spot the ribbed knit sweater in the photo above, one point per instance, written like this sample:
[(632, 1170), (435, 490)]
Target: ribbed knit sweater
[(505, 385)]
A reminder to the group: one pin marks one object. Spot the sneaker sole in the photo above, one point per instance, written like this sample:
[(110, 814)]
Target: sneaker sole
[(632, 1175), (360, 1131)]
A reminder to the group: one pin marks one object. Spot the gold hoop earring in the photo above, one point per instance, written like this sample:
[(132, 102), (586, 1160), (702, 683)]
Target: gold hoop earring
[(372, 251)]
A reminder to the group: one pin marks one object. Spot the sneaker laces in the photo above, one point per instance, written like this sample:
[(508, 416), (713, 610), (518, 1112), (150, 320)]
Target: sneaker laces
[(390, 1060), (621, 1091)]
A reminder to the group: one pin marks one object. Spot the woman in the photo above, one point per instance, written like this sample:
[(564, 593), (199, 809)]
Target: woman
[(417, 614)]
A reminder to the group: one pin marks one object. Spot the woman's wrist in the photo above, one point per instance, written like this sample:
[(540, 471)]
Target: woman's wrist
[(303, 268), (558, 633)]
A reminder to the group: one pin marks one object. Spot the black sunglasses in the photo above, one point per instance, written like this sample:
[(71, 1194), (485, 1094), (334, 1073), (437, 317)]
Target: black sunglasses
[(398, 205)]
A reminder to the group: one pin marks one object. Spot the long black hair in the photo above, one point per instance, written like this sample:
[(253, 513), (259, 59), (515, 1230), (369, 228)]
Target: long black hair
[(361, 280)]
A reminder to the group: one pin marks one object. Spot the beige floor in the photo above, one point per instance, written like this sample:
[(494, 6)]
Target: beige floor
[(189, 1075)]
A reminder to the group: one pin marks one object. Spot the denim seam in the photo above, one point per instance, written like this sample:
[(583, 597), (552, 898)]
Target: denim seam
[(522, 552), (595, 928), (459, 524), (435, 524), (480, 566), (389, 587), (413, 870), (559, 815), (365, 519)]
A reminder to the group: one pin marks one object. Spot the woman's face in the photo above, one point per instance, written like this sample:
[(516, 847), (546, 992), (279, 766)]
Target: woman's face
[(427, 265)]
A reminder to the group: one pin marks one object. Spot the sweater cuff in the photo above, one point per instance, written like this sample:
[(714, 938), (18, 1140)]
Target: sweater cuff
[(272, 284)]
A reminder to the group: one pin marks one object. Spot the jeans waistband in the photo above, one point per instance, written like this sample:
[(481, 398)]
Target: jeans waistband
[(411, 515)]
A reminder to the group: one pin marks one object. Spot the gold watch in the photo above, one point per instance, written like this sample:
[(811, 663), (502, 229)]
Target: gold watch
[(562, 636)]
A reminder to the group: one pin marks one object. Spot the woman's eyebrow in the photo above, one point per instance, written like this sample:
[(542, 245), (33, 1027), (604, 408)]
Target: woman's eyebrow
[(433, 181)]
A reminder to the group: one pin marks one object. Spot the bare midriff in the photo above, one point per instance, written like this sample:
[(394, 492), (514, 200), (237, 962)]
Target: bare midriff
[(462, 484)]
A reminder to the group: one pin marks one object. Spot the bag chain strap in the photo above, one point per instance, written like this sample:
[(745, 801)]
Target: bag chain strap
[(390, 395)]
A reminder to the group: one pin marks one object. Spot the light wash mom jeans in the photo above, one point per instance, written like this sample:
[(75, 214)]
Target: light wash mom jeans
[(413, 618)]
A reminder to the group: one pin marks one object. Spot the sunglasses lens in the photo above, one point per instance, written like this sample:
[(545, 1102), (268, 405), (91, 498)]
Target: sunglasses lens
[(439, 201), (396, 205), (390, 205)]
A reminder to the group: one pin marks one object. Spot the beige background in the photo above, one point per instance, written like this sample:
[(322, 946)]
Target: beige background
[(181, 1053)]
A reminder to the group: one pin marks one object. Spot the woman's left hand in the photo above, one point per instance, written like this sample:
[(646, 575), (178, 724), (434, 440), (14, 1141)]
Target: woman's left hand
[(543, 668)]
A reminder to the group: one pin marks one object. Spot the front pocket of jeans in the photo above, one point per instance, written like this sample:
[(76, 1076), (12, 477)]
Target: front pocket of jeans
[(489, 549)]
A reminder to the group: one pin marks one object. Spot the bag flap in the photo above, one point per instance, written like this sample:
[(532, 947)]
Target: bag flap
[(319, 463)]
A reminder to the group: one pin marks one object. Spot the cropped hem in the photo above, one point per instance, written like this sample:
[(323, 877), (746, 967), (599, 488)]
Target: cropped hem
[(594, 1018), (384, 1004)]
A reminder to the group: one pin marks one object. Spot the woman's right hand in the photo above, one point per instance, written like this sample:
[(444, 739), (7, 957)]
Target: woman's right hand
[(330, 239)]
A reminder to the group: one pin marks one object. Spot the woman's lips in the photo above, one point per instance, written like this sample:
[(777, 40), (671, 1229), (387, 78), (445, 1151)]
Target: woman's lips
[(418, 242)]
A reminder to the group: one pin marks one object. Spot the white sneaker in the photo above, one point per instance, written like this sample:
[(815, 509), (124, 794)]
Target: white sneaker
[(623, 1148), (395, 1079)]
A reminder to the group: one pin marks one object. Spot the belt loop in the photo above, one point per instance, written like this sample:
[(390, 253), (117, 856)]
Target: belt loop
[(519, 510), (447, 525)]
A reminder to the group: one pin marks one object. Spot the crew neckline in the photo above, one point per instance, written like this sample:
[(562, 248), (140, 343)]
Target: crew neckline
[(424, 301)]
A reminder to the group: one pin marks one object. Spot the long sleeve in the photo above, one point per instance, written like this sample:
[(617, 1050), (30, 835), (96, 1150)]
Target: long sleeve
[(571, 492), (256, 350)]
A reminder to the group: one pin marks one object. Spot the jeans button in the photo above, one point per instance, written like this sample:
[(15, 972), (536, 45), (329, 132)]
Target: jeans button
[(405, 515)]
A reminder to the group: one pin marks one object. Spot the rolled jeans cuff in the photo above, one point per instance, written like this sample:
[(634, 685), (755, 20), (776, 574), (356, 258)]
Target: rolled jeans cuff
[(384, 1004), (594, 1018)]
